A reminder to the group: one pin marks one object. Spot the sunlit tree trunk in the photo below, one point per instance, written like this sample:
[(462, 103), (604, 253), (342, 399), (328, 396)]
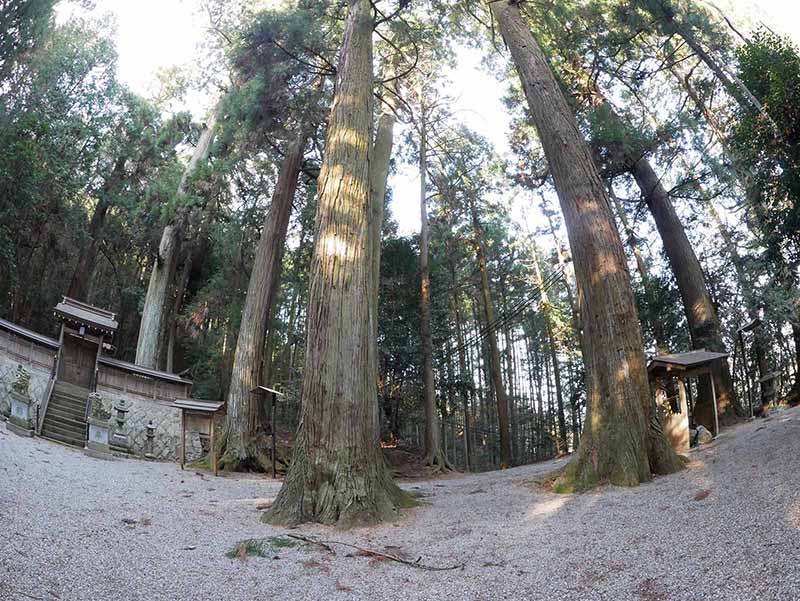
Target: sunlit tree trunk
[(622, 442), (154, 313), (338, 474)]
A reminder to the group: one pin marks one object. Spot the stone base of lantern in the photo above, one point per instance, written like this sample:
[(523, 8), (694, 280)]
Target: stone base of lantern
[(19, 420), (19, 430), (98, 444)]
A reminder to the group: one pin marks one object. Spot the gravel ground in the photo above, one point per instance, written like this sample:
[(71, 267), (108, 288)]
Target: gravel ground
[(73, 527)]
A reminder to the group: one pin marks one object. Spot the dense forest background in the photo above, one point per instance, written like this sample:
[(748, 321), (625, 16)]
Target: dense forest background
[(693, 120)]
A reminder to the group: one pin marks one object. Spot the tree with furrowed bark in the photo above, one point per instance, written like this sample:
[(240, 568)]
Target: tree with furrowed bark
[(338, 474), (622, 442)]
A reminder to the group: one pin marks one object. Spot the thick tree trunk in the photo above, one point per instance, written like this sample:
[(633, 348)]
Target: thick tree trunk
[(622, 442), (704, 324), (338, 474), (491, 338), (154, 313), (244, 437), (434, 455)]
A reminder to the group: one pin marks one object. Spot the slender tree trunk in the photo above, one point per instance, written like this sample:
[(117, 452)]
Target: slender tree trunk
[(244, 440), (664, 12), (379, 175), (491, 339), (465, 382), (641, 266), (154, 313), (547, 309), (704, 324), (338, 474), (623, 442), (434, 456), (84, 269)]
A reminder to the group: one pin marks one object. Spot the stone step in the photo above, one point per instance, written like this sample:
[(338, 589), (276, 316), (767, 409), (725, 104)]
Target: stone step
[(71, 388), (58, 437), (67, 423), (60, 401), (71, 429), (69, 395), (56, 408)]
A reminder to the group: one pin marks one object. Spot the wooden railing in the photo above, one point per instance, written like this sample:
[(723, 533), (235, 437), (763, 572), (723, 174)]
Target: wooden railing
[(42, 409)]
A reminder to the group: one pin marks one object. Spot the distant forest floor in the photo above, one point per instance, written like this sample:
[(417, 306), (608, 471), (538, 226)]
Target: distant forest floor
[(728, 527)]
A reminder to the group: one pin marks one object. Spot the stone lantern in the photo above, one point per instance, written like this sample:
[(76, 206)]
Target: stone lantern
[(150, 435), (21, 419), (119, 437)]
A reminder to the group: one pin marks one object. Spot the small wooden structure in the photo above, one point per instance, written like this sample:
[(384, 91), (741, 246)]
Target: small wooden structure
[(84, 331), (197, 416), (273, 394), (668, 372)]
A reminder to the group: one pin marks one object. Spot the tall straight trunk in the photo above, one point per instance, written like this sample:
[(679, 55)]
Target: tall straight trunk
[(434, 456), (176, 309), (623, 442), (244, 439), (338, 474), (644, 273), (561, 255), (491, 339), (379, 175), (704, 325), (154, 313), (84, 268), (664, 12), (465, 383), (547, 309)]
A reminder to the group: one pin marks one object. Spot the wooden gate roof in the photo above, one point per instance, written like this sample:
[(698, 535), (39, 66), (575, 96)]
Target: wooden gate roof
[(83, 314)]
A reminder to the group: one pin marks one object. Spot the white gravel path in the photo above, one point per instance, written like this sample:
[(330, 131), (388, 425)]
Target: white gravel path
[(62, 534)]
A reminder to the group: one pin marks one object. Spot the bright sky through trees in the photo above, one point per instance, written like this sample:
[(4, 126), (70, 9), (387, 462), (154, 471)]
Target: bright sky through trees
[(146, 45)]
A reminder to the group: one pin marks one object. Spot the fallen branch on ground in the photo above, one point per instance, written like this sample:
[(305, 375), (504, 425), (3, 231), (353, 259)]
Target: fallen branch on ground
[(325, 544)]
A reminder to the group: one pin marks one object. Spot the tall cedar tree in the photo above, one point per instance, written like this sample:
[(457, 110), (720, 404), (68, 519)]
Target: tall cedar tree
[(622, 442), (338, 474)]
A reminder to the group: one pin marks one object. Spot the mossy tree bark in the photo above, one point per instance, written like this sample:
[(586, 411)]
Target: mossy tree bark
[(338, 474), (622, 442), (156, 307), (244, 441)]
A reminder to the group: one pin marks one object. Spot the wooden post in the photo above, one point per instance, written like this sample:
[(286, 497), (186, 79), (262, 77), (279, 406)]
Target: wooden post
[(714, 399), (274, 430), (213, 446), (183, 437)]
